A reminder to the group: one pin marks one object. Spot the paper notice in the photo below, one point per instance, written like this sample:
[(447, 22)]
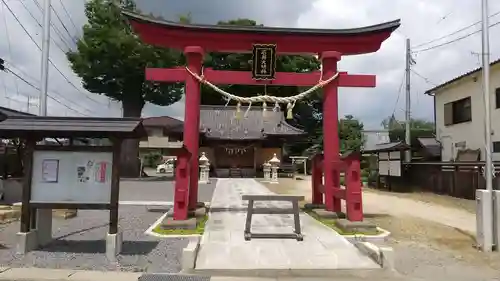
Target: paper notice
[(50, 170)]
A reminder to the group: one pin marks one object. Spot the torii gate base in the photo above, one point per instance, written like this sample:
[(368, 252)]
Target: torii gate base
[(351, 194)]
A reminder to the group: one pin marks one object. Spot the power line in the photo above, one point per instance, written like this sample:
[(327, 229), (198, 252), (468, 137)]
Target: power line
[(69, 16), (40, 25), (423, 77), (453, 33), (399, 93), (39, 48), (452, 41), (54, 27), (62, 23), (51, 97), (51, 90)]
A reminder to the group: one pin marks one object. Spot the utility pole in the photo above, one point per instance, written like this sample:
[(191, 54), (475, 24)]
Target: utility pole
[(485, 214), (45, 58), (409, 62)]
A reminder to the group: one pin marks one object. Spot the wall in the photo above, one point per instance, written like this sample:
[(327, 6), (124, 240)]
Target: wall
[(471, 132)]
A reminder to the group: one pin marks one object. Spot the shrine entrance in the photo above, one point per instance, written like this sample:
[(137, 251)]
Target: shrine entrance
[(265, 43)]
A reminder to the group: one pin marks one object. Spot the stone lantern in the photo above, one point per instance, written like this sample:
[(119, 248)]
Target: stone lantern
[(204, 168), (274, 169), (266, 167)]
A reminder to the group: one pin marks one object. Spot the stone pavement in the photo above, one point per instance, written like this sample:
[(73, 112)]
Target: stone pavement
[(223, 247), (41, 274)]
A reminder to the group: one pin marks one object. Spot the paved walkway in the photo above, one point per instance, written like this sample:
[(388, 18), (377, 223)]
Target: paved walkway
[(223, 246)]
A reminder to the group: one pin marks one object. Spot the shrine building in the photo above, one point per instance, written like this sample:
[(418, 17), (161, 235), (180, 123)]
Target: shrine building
[(238, 143)]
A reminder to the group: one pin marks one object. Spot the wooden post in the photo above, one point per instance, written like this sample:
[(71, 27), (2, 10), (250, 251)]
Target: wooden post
[(330, 132), (115, 186), (28, 171), (194, 57)]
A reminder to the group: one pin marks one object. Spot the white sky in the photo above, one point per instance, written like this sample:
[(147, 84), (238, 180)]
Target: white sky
[(422, 21)]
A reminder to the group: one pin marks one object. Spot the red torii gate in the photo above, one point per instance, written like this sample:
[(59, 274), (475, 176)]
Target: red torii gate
[(195, 40)]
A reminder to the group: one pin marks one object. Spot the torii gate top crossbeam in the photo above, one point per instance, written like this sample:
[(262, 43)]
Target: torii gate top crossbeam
[(239, 39)]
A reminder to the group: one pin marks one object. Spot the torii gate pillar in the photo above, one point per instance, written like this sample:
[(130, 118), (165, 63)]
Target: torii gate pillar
[(191, 135), (331, 144)]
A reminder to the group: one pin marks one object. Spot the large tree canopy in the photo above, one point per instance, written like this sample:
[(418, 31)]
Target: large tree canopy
[(111, 60)]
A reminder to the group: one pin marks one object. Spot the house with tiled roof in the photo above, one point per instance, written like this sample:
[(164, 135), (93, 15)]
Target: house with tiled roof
[(459, 113), (238, 141)]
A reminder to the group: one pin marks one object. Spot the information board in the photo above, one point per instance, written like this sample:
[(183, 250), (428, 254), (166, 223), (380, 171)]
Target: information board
[(71, 177)]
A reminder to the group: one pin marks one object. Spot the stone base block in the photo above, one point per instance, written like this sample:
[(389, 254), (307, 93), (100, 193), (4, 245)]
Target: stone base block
[(17, 206), (322, 213), (311, 206), (189, 254), (113, 245), (65, 213), (27, 242), (170, 223), (198, 213), (355, 226)]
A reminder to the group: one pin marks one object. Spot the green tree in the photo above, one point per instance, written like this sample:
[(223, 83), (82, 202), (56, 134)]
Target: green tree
[(111, 60), (350, 136), (418, 128)]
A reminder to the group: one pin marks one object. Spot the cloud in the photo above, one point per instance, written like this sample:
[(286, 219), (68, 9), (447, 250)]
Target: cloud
[(422, 21)]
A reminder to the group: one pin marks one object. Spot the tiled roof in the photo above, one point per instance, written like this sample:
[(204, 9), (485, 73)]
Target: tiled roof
[(161, 121), (386, 147), (432, 146), (219, 122)]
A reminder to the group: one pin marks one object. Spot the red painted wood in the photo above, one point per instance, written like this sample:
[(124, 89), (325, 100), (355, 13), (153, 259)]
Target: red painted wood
[(181, 194), (221, 77), (317, 181), (353, 196), (231, 42), (191, 136), (331, 145)]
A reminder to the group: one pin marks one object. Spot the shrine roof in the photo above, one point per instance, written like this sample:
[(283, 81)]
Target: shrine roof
[(219, 122), (51, 126), (232, 38), (161, 121)]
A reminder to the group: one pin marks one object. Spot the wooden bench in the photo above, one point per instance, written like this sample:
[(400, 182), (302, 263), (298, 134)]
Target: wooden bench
[(279, 211)]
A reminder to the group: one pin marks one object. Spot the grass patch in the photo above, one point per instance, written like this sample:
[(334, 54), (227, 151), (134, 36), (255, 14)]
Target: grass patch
[(331, 224), (200, 228)]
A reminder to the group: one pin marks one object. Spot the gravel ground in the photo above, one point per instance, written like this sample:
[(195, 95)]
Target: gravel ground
[(431, 251), (159, 190), (424, 249), (80, 244)]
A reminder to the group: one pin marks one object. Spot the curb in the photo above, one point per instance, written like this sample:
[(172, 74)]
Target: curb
[(44, 274), (382, 237), (189, 254), (384, 256)]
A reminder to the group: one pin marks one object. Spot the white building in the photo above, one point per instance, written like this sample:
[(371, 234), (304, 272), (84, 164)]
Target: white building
[(459, 113)]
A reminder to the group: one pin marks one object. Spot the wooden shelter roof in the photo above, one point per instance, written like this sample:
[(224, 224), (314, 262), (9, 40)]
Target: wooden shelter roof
[(387, 147), (66, 127)]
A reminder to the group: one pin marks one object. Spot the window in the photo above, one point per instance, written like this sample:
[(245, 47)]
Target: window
[(496, 146), (497, 98), (457, 112)]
